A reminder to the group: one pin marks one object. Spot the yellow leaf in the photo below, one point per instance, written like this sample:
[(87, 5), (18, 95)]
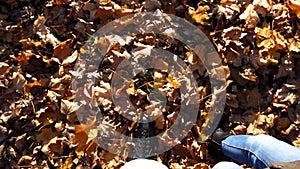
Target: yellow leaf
[(68, 163), (199, 15), (104, 2), (158, 85), (204, 113), (265, 32), (267, 43), (169, 78), (83, 51), (273, 57), (131, 88), (173, 82), (30, 42)]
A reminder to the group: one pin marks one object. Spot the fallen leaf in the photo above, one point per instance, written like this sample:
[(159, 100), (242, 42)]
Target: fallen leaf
[(63, 50), (200, 15), (295, 6), (43, 31), (46, 134)]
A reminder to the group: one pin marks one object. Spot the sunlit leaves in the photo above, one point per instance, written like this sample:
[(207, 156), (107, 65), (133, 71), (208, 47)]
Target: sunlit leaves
[(200, 15)]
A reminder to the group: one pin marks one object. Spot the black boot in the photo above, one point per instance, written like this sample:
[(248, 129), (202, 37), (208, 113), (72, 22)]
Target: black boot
[(214, 144)]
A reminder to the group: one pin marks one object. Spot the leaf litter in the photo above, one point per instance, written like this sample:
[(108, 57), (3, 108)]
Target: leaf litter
[(41, 40)]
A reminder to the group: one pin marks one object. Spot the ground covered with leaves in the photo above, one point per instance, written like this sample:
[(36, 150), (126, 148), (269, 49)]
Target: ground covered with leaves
[(40, 41)]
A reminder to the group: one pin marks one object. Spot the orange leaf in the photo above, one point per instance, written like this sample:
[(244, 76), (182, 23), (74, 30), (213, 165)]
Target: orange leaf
[(60, 2), (105, 12), (173, 82), (295, 6)]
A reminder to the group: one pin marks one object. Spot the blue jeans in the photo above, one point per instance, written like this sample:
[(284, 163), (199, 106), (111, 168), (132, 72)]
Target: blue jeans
[(257, 151)]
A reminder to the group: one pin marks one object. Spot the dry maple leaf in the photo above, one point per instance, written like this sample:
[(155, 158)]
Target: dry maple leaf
[(85, 145), (56, 145)]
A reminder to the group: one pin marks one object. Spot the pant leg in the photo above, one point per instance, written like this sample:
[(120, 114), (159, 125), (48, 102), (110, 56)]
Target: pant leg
[(227, 165), (259, 151)]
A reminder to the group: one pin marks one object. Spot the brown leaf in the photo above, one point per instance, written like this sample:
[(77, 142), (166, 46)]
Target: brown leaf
[(45, 135), (105, 12), (231, 100), (69, 60), (67, 107), (84, 144), (282, 124), (43, 31), (25, 160), (56, 145), (295, 6), (263, 6), (18, 83), (4, 67), (63, 50)]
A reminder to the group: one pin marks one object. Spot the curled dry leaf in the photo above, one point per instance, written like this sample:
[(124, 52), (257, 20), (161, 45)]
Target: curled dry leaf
[(67, 107), (228, 8), (200, 15), (295, 6), (81, 139), (63, 50), (69, 60), (46, 134), (44, 32), (263, 6), (295, 44)]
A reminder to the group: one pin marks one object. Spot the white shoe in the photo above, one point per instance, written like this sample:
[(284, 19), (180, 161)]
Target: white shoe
[(144, 164)]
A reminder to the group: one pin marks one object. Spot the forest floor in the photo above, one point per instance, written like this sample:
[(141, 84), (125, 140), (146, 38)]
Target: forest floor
[(41, 42)]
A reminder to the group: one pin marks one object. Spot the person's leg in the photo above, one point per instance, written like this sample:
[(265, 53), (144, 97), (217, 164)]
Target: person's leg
[(227, 165), (259, 151)]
